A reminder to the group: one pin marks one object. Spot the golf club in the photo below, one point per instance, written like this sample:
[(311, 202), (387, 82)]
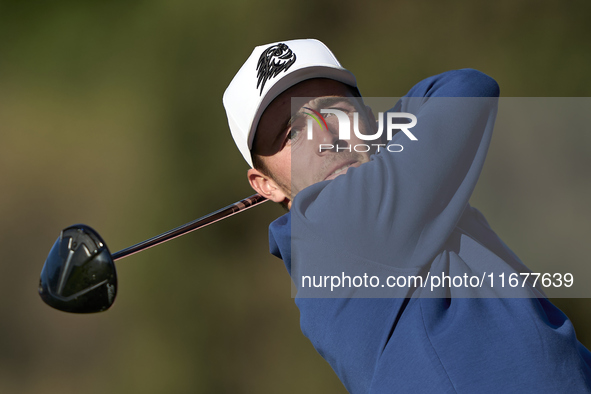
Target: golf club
[(79, 273)]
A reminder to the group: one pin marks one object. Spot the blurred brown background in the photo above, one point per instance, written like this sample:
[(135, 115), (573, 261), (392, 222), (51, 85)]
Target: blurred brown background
[(111, 115)]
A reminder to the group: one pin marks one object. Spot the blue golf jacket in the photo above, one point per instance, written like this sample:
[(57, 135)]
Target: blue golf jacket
[(407, 213)]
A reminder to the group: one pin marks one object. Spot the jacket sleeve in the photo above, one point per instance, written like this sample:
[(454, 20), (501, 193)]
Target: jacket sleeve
[(408, 200)]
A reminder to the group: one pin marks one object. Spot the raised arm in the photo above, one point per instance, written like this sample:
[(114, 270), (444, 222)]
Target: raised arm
[(410, 200)]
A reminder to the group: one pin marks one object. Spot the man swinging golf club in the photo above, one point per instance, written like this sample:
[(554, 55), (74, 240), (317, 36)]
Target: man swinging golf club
[(398, 208)]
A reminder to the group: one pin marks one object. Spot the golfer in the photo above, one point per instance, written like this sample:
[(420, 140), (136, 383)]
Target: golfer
[(387, 199)]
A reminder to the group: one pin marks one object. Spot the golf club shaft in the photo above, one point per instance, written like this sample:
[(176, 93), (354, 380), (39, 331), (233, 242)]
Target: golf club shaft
[(213, 217)]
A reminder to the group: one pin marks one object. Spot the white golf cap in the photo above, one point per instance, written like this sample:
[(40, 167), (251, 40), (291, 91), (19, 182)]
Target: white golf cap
[(270, 70)]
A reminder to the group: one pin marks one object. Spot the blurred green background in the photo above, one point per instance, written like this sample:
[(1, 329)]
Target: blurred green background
[(111, 115)]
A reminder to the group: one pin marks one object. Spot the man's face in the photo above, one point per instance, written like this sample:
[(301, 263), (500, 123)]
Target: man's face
[(295, 162)]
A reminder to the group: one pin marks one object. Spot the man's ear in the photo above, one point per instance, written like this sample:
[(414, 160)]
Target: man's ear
[(266, 186)]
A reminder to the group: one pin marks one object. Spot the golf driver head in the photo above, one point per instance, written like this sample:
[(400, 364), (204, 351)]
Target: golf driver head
[(79, 274)]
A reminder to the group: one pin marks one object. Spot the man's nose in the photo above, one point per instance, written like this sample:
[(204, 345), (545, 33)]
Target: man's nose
[(327, 140), (327, 135)]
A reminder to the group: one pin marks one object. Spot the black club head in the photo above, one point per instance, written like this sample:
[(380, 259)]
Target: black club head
[(79, 274)]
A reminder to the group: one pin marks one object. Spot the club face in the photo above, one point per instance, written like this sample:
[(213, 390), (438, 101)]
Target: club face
[(79, 274)]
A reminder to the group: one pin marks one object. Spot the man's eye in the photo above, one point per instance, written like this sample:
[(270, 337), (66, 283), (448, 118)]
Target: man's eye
[(293, 134)]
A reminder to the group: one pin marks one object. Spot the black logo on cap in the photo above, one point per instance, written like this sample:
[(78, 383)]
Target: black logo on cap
[(273, 60)]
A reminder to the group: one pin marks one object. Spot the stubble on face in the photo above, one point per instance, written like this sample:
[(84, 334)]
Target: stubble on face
[(324, 172)]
